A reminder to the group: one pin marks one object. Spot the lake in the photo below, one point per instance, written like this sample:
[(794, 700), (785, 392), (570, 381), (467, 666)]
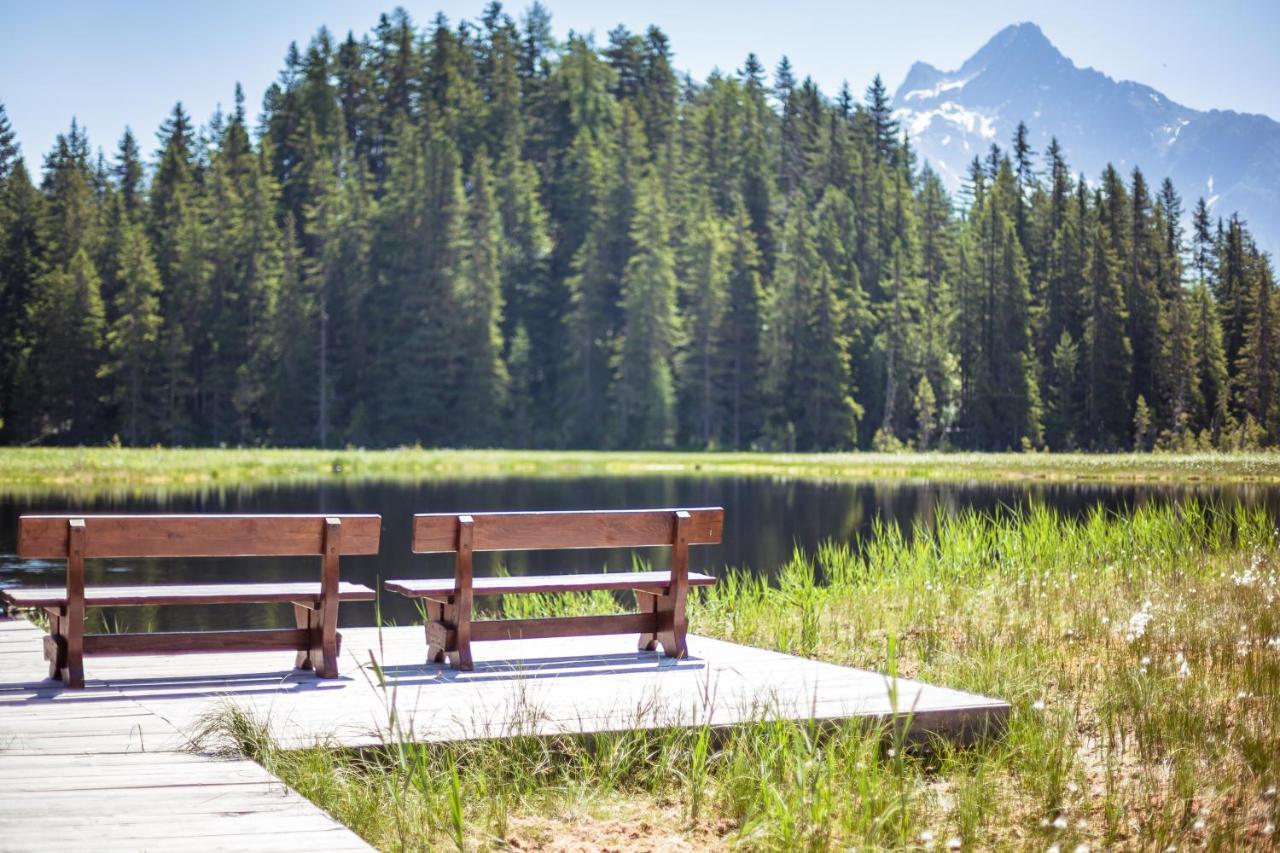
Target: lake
[(764, 519)]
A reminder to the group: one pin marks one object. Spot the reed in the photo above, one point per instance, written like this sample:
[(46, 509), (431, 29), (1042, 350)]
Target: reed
[(1141, 655)]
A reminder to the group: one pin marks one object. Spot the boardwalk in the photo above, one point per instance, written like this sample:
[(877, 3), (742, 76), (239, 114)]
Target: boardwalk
[(111, 766)]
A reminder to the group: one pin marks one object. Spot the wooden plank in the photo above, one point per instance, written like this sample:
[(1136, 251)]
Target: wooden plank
[(435, 533), (124, 596), (564, 626), (178, 642), (45, 536), (546, 583)]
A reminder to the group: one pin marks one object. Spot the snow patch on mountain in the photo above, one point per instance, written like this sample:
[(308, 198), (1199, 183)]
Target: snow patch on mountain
[(944, 86), (951, 116)]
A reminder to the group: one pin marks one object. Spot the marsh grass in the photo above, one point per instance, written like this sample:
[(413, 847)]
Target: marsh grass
[(1141, 655), (123, 471)]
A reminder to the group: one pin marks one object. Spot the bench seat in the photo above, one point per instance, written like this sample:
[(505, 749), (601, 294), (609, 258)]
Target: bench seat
[(646, 581), (247, 593)]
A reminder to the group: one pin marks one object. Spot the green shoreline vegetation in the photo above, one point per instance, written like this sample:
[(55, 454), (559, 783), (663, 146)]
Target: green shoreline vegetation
[(1141, 656), (110, 468)]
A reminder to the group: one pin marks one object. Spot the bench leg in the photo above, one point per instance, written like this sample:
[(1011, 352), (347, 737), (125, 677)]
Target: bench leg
[(671, 625), (55, 645), (71, 651), (435, 616), (302, 617), (459, 657), (647, 602), (325, 642)]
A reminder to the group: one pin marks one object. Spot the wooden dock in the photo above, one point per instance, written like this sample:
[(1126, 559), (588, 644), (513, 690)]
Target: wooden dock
[(112, 766)]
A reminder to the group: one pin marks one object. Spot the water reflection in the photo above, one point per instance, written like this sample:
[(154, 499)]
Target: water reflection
[(764, 519)]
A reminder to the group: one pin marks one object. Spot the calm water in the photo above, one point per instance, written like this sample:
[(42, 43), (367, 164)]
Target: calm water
[(764, 519)]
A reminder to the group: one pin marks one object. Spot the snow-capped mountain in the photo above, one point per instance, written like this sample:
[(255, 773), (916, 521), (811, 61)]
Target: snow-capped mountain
[(1230, 158)]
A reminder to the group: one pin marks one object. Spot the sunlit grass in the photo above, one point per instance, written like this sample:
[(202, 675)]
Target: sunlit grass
[(125, 470), (1141, 655)]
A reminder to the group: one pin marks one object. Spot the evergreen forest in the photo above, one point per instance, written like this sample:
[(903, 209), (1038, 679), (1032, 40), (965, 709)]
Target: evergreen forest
[(480, 234)]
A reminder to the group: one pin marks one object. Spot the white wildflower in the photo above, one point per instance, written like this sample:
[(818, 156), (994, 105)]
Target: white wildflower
[(1037, 705), (1060, 822), (926, 837), (1138, 622), (954, 843), (1198, 826)]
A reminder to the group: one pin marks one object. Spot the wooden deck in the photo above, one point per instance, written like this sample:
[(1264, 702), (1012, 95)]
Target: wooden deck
[(111, 766)]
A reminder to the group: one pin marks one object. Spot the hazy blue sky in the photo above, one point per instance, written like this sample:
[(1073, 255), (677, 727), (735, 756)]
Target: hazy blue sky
[(112, 64)]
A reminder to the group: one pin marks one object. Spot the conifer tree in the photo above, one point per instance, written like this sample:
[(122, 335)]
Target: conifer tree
[(22, 263), (738, 346), (57, 393), (483, 383), (293, 401), (1257, 362), (9, 151), (128, 172), (1209, 376), (1142, 297), (1105, 352), (1062, 403), (643, 395), (702, 278), (132, 341)]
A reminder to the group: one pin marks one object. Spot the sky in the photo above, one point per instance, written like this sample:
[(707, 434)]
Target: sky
[(112, 64)]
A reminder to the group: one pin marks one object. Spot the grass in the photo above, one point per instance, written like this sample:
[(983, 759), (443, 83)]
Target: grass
[(139, 469), (1141, 655)]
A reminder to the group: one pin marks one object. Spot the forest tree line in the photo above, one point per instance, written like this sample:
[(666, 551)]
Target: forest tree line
[(478, 235)]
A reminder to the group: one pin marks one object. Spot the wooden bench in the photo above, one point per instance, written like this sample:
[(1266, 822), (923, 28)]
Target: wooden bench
[(660, 595), (77, 538)]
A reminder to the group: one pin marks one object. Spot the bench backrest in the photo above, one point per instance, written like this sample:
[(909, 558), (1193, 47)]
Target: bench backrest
[(48, 536), (437, 533)]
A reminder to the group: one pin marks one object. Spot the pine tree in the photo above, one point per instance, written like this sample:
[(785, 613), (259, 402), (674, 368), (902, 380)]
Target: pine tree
[(128, 172), (1106, 352), (10, 153), (703, 277), (22, 264), (293, 381), (884, 127), (68, 187), (1209, 377), (483, 383), (828, 415), (643, 395), (1062, 421), (1142, 297), (1257, 360), (57, 393), (738, 346), (132, 341)]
